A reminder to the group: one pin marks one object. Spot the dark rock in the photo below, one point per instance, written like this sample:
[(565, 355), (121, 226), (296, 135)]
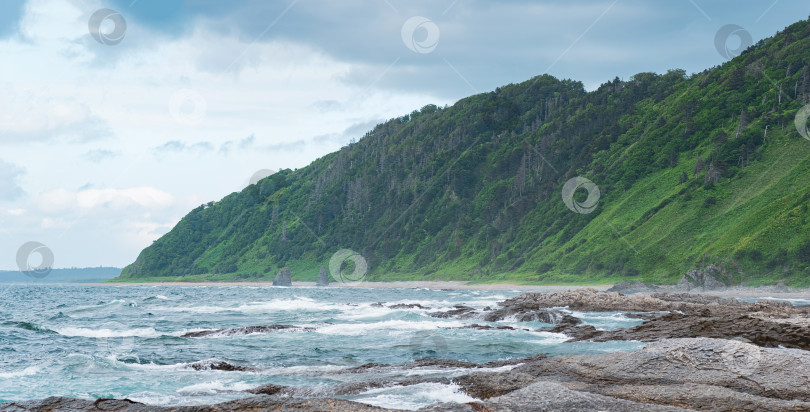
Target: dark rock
[(284, 278), (459, 312), (408, 306), (217, 365), (268, 389), (484, 327), (572, 326), (323, 277), (239, 331), (525, 314), (487, 385)]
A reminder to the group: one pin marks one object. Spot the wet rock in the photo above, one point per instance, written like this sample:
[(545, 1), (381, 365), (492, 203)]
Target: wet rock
[(458, 312), (524, 314), (323, 277), (218, 365), (484, 327), (268, 389), (239, 331), (573, 327), (284, 278), (408, 306), (487, 385)]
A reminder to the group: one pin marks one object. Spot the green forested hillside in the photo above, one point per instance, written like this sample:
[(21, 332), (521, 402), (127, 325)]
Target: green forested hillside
[(691, 169)]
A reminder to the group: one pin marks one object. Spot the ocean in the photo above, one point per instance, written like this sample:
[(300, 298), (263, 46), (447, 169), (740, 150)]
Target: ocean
[(127, 341)]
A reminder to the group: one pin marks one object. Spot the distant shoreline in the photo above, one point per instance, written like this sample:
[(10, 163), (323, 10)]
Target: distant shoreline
[(744, 292), (448, 284)]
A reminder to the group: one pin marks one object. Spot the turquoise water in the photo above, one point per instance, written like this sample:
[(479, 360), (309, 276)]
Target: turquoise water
[(108, 341)]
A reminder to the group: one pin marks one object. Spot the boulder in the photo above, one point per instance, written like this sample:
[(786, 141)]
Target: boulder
[(627, 288), (284, 278), (323, 277)]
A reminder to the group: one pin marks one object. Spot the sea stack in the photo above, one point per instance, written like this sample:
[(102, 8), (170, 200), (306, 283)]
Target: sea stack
[(323, 277), (284, 278)]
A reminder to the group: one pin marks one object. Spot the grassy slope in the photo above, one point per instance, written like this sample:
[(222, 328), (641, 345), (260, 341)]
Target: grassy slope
[(449, 207)]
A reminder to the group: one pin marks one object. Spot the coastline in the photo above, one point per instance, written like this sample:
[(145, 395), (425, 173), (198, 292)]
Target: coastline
[(438, 284), (738, 292), (701, 352)]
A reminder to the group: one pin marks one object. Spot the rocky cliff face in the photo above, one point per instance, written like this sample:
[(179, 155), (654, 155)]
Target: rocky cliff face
[(284, 278), (323, 277)]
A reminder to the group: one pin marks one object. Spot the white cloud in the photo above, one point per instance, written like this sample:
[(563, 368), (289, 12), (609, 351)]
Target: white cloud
[(9, 188), (61, 200), (316, 79)]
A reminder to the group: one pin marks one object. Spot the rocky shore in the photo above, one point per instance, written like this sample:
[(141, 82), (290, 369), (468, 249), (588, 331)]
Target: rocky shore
[(705, 353)]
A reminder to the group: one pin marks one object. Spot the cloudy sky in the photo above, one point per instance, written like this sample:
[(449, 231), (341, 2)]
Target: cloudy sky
[(115, 123)]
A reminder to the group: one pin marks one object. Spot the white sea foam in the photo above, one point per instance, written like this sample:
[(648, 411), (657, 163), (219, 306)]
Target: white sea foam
[(216, 387), (107, 333), (413, 397), (276, 305), (795, 301), (31, 370), (393, 325), (549, 338)]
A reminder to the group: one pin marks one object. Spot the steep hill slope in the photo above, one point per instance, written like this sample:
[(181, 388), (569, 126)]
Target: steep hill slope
[(690, 170)]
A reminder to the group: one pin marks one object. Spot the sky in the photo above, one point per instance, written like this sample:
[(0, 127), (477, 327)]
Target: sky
[(118, 117)]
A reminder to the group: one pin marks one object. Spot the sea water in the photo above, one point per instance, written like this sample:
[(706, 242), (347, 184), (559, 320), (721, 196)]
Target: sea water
[(126, 341)]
